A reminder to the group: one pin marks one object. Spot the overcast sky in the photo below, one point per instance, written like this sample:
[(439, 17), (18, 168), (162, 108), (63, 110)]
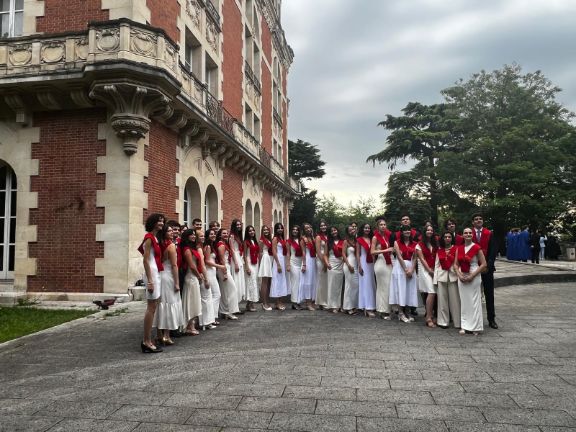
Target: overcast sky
[(358, 60)]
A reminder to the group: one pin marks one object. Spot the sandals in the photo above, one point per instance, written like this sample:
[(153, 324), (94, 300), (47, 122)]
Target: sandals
[(193, 332), (266, 307), (430, 323)]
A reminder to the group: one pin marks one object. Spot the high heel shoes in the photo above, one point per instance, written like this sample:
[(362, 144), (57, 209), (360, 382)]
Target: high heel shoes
[(230, 317), (149, 350)]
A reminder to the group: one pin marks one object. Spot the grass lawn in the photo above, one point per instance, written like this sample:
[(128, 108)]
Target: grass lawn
[(19, 321)]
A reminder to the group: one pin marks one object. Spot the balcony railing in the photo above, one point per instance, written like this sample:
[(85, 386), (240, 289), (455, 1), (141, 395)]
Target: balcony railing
[(213, 13), (218, 113), (277, 116), (251, 76)]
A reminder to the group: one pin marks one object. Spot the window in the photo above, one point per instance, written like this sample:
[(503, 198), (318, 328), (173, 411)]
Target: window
[(248, 119), (256, 132), (192, 208), (193, 55), (211, 76), (8, 189), (11, 18), (210, 205)]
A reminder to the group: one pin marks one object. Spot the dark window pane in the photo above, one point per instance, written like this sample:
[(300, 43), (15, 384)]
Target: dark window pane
[(18, 23), (1, 258), (4, 25), (3, 177), (4, 5), (11, 258), (2, 230), (12, 230), (13, 204), (14, 182), (19, 4), (2, 203)]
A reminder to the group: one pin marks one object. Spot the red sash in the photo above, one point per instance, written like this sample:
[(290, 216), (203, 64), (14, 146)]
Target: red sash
[(268, 244), (311, 247), (484, 239), (458, 240), (429, 256), (196, 254), (221, 243), (283, 243), (240, 245), (155, 248), (296, 246), (323, 237), (337, 249), (464, 258), (407, 251), (446, 259), (362, 242), (254, 251), (384, 244), (413, 234)]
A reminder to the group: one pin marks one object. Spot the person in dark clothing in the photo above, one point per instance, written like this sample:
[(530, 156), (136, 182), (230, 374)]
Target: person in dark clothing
[(535, 246)]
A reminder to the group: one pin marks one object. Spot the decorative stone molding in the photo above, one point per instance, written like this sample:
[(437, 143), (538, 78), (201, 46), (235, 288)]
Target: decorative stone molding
[(17, 104), (194, 11), (131, 105)]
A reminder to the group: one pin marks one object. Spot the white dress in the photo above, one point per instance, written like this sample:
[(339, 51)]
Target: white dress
[(191, 300), (403, 290), (251, 280), (335, 281), (228, 292), (350, 281), (294, 274), (239, 280), (383, 274), (307, 287), (214, 286), (265, 267), (471, 300), (279, 284), (366, 283), (155, 275), (322, 284), (425, 279), (169, 314)]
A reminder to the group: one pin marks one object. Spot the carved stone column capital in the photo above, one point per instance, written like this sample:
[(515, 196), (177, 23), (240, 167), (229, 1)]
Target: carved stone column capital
[(132, 106)]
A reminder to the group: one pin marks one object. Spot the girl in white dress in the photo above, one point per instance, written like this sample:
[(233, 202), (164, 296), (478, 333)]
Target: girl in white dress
[(381, 249), (295, 269), (236, 243), (228, 293), (265, 267), (350, 303), (426, 251), (403, 291), (191, 298), (321, 242), (335, 271), (308, 278), (208, 317), (152, 257), (251, 256), (446, 281), (169, 315), (366, 281), (469, 263), (279, 285), (211, 268)]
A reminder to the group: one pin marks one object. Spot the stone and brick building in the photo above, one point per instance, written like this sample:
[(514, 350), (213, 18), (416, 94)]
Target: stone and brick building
[(113, 109)]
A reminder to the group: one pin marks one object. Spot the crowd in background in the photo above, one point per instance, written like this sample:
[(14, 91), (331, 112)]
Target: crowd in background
[(194, 278)]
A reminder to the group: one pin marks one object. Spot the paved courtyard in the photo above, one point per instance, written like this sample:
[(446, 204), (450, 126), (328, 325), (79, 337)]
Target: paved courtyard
[(303, 371)]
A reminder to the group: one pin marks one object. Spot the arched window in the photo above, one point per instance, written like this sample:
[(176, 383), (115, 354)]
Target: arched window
[(280, 219), (248, 218), (192, 200), (275, 217), (210, 206), (8, 187), (257, 225)]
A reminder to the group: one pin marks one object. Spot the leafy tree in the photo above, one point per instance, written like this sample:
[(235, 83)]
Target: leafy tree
[(403, 197)]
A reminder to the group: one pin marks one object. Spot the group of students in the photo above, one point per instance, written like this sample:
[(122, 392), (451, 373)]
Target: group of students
[(194, 277)]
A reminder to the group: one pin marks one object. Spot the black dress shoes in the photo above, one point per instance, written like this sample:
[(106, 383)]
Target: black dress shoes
[(493, 324)]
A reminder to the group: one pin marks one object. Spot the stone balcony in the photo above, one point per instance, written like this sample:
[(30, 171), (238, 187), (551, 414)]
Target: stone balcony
[(135, 71)]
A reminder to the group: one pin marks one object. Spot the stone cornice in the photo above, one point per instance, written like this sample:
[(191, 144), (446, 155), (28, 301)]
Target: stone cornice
[(271, 16)]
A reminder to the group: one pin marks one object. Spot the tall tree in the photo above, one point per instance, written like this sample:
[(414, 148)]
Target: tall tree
[(403, 196)]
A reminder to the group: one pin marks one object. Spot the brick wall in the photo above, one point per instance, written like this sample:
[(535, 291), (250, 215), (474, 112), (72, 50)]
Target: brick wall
[(285, 134), (164, 14), (266, 108), (70, 15), (67, 215), (267, 208), (266, 41), (160, 185), (233, 61), (232, 206)]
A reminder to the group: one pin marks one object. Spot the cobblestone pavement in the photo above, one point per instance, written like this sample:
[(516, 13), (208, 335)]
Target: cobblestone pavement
[(303, 371)]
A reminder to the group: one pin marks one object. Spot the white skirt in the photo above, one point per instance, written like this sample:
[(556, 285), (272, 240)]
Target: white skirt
[(279, 284), (191, 301), (322, 286), (251, 279), (239, 280), (350, 285), (307, 287), (471, 304), (403, 291), (366, 285), (169, 314), (265, 268), (228, 293), (383, 273), (294, 277), (425, 281), (335, 282)]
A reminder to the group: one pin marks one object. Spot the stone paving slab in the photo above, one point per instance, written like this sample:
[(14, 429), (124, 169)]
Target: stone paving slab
[(303, 371)]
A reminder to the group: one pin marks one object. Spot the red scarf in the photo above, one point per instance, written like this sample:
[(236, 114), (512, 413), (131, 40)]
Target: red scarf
[(296, 246), (283, 244), (362, 242), (221, 243), (458, 240), (254, 251), (384, 244), (311, 247), (464, 258), (155, 248), (337, 248), (196, 254), (484, 239), (240, 245), (268, 244), (429, 256), (446, 258), (407, 251)]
